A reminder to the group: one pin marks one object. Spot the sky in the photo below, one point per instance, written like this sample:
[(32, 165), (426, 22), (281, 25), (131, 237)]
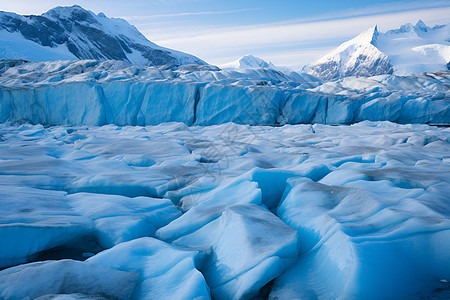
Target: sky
[(286, 32)]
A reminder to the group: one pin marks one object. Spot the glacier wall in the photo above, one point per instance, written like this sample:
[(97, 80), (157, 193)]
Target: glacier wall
[(111, 92), (151, 103)]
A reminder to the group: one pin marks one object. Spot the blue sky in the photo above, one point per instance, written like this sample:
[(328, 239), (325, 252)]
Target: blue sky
[(289, 33)]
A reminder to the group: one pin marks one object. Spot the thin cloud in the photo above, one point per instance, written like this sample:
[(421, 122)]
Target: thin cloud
[(185, 14), (378, 9), (184, 31)]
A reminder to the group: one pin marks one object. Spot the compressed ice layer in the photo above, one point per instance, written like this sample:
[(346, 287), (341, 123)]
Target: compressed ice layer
[(119, 219), (166, 271), (200, 96), (35, 280), (248, 247)]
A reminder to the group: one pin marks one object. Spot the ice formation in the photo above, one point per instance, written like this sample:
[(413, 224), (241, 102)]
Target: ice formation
[(297, 211)]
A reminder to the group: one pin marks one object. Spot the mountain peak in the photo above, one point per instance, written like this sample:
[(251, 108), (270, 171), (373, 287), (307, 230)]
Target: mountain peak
[(70, 14), (366, 37), (420, 25), (375, 29), (408, 27), (250, 61), (375, 34), (66, 10)]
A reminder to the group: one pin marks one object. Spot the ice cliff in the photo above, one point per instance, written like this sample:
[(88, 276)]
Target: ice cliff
[(112, 92)]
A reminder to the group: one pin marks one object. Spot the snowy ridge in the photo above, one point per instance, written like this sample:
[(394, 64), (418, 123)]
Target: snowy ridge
[(111, 92), (409, 49), (75, 33)]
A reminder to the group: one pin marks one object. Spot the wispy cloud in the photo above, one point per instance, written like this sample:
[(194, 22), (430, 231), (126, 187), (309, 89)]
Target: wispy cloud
[(369, 10), (186, 14)]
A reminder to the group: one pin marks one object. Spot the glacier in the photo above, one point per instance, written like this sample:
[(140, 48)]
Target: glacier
[(113, 92), (227, 211)]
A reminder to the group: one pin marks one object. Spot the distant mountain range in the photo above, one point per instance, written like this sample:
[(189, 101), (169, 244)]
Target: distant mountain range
[(69, 33), (409, 49)]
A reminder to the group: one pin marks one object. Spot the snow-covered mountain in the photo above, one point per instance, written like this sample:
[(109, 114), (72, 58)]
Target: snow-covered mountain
[(248, 62), (409, 49), (69, 33)]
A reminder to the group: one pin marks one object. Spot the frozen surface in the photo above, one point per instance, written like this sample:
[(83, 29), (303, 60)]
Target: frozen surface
[(229, 211), (113, 92)]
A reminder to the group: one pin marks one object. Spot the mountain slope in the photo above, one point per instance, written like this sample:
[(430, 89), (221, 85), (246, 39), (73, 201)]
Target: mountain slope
[(76, 33), (409, 49)]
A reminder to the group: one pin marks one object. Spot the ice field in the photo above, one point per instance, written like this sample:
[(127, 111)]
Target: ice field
[(225, 211)]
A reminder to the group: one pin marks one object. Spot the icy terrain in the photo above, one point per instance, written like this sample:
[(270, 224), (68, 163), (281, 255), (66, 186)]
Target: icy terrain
[(70, 33), (92, 92), (409, 49), (227, 211)]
